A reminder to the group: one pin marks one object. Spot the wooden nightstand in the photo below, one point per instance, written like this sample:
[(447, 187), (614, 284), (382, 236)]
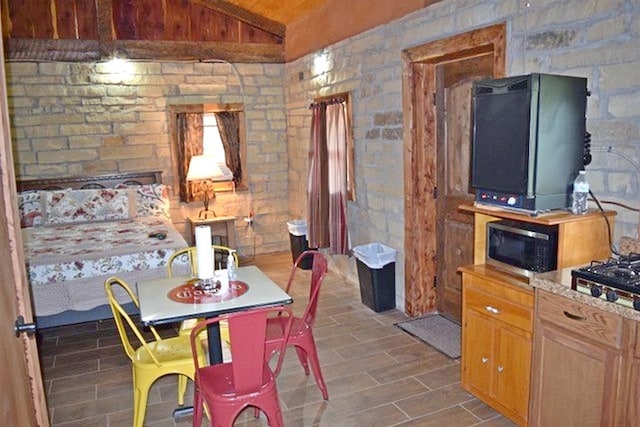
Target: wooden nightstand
[(218, 224)]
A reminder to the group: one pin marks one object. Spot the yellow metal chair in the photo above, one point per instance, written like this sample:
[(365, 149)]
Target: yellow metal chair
[(190, 253), (153, 359)]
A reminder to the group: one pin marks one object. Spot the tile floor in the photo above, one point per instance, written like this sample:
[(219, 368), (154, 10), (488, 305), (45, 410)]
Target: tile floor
[(376, 374)]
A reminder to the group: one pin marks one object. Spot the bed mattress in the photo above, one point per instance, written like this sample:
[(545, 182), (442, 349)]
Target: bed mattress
[(68, 264)]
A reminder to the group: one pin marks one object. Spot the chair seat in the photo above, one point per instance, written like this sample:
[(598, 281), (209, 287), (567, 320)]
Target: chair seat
[(169, 351), (220, 384)]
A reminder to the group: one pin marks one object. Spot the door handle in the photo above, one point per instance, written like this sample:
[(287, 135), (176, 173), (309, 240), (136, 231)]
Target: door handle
[(21, 327)]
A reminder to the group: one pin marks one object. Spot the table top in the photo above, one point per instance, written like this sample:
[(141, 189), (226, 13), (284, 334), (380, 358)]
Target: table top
[(157, 307)]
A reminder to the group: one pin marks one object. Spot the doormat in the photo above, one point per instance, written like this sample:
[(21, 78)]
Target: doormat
[(437, 331)]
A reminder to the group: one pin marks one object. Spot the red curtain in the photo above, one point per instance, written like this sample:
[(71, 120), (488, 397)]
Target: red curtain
[(327, 184)]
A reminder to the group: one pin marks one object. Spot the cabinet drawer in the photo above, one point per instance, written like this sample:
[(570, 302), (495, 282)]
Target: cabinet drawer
[(520, 316), (581, 319)]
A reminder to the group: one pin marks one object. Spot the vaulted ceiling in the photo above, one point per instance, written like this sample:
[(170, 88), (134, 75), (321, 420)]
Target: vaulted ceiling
[(234, 30)]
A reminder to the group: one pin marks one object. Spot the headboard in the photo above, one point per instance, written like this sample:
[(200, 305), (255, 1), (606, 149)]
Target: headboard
[(101, 181)]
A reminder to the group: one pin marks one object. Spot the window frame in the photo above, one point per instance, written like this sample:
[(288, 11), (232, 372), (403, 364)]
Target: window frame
[(175, 109)]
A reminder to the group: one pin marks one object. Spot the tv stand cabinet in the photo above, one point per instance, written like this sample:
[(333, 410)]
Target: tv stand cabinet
[(497, 307)]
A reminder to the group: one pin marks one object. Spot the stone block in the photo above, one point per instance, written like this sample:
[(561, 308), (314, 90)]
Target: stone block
[(619, 76), (83, 129), (127, 152), (67, 156), (625, 105)]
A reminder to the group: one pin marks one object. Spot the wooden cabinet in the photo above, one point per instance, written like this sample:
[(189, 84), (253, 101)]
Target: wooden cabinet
[(497, 321), (633, 399), (581, 365), (497, 318)]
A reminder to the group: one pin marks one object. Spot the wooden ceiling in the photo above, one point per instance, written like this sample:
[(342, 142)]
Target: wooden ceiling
[(231, 30), (282, 11)]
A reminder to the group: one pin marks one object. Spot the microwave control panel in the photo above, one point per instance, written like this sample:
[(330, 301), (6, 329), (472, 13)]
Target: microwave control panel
[(500, 199)]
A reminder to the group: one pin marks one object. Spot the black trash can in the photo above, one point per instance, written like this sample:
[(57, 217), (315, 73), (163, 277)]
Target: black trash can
[(298, 238), (377, 276)]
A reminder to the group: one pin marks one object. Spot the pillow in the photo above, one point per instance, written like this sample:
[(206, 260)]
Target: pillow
[(74, 206), (30, 209), (152, 200)]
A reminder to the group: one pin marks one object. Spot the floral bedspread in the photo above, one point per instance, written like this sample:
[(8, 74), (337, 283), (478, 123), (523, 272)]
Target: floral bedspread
[(76, 251)]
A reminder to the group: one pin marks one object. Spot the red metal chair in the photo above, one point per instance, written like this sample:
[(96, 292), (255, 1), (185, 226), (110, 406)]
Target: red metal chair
[(247, 380), (301, 336)]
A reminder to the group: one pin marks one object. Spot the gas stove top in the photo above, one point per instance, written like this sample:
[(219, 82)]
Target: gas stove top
[(616, 280)]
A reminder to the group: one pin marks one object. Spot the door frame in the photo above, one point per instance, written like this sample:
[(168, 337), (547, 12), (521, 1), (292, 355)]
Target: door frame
[(419, 147)]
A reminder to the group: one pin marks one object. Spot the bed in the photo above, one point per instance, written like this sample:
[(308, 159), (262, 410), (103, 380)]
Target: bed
[(79, 231)]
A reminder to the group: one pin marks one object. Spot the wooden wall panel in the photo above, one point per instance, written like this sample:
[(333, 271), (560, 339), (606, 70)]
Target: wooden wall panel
[(65, 20), (150, 20), (87, 19), (125, 17), (31, 19), (177, 21)]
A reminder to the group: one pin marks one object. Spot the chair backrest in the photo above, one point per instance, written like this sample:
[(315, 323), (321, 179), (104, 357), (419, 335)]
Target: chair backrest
[(247, 334), (318, 270), (190, 255), (123, 321)]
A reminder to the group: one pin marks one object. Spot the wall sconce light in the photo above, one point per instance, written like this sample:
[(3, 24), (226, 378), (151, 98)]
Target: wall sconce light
[(321, 64)]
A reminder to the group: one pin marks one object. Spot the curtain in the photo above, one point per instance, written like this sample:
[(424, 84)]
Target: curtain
[(327, 185), (337, 176), (229, 126), (317, 188), (189, 129)]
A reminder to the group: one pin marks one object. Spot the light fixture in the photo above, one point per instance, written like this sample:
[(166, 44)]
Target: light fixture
[(205, 170)]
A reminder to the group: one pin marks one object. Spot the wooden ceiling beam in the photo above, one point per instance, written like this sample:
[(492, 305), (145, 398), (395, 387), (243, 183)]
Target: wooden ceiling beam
[(245, 16), (93, 50)]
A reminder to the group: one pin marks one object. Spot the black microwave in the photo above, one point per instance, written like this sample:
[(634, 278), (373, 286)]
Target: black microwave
[(521, 247)]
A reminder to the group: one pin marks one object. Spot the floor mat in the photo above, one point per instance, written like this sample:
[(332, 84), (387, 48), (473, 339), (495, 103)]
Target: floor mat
[(436, 331)]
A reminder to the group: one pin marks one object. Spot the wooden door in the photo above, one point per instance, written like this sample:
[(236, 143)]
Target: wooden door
[(23, 402), (478, 338), (454, 234), (512, 371), (432, 252)]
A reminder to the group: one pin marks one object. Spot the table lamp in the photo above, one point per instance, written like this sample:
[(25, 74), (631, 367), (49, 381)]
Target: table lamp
[(205, 170)]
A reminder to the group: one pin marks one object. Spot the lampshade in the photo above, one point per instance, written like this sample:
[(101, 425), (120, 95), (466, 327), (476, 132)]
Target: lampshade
[(204, 167)]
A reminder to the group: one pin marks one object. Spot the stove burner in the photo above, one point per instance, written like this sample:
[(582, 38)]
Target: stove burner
[(616, 279)]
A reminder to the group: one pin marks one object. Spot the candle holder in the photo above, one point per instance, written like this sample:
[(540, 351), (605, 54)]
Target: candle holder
[(208, 285)]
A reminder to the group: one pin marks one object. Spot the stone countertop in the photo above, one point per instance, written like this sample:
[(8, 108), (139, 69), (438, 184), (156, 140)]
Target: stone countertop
[(559, 282)]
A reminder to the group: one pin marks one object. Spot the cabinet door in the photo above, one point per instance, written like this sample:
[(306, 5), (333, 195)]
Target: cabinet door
[(477, 361), (574, 381), (512, 370)]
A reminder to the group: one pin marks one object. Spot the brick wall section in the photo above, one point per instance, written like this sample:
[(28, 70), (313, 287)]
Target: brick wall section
[(594, 39), (84, 119)]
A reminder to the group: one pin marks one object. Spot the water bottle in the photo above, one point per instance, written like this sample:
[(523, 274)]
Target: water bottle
[(231, 266), (580, 194)]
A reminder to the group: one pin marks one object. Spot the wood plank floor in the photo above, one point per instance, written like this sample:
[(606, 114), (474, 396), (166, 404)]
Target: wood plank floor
[(376, 374)]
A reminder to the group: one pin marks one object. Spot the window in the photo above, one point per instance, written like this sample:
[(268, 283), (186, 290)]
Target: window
[(211, 129)]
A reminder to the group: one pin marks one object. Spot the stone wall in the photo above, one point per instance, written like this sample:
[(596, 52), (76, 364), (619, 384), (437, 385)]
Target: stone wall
[(86, 119), (594, 39)]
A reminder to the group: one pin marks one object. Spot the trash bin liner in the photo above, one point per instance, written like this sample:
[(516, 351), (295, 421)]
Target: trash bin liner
[(376, 275), (298, 238)]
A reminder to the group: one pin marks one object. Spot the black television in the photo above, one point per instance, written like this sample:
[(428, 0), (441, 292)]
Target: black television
[(528, 140)]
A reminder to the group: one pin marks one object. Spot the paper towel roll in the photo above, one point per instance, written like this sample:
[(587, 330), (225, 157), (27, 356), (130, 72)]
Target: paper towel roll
[(204, 252)]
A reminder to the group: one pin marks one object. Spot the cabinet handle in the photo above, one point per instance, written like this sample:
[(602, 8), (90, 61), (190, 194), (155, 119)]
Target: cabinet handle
[(485, 359), (500, 368), (573, 316), (492, 309)]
